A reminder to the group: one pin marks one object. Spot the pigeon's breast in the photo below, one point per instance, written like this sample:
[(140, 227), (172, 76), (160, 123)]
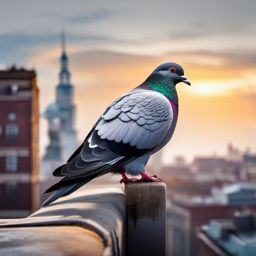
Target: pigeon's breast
[(174, 108)]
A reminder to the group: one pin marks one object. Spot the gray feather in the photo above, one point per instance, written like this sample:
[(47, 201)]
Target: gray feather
[(124, 117), (112, 113), (138, 116)]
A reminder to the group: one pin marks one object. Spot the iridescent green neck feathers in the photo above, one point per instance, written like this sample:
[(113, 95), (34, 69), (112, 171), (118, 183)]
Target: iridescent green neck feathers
[(163, 85)]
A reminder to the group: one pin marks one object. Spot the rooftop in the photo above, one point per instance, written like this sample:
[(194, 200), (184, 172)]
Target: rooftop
[(235, 188), (235, 194), (235, 236), (15, 72)]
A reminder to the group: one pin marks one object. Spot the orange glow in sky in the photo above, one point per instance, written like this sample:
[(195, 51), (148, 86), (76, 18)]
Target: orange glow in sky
[(217, 109), (113, 47)]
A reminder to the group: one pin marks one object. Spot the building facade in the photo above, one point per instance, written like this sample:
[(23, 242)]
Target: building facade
[(19, 149)]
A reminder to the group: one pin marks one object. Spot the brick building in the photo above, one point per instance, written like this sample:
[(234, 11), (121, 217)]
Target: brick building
[(19, 151)]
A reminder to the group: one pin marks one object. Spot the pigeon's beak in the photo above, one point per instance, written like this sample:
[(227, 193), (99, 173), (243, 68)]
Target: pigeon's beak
[(185, 80)]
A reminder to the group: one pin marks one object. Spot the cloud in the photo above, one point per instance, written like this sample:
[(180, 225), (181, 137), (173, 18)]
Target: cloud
[(18, 47), (94, 16), (110, 69), (14, 47), (218, 60), (103, 58), (201, 29)]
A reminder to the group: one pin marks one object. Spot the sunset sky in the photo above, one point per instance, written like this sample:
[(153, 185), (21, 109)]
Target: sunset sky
[(113, 45)]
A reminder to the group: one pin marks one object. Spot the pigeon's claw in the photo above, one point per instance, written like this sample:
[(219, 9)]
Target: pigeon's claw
[(127, 180), (145, 177)]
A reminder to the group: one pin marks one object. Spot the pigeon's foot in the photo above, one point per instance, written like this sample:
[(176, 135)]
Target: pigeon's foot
[(145, 177), (126, 179)]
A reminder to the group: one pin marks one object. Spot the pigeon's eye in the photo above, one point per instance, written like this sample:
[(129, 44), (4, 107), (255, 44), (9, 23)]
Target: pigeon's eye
[(172, 69)]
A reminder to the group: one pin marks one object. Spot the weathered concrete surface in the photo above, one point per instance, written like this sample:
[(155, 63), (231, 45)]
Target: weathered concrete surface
[(91, 221), (100, 209), (52, 241), (146, 219)]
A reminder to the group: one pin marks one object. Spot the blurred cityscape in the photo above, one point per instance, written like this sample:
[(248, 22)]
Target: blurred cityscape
[(204, 197), (211, 199)]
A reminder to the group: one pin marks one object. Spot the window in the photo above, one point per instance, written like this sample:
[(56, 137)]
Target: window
[(14, 88), (12, 131), (11, 193), (11, 116), (11, 163)]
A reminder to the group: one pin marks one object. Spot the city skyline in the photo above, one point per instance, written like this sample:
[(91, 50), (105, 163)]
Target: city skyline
[(214, 43)]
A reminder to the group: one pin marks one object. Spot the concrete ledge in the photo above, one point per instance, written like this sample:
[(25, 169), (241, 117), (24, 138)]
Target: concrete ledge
[(98, 209), (95, 220), (54, 241)]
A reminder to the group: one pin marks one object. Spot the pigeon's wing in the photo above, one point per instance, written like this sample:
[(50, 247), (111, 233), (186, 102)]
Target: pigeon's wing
[(77, 151), (140, 120), (132, 126)]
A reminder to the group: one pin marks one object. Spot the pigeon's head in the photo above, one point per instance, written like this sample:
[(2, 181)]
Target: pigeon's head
[(171, 71)]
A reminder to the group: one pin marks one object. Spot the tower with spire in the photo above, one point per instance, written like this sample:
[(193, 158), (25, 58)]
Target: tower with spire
[(64, 100), (60, 116)]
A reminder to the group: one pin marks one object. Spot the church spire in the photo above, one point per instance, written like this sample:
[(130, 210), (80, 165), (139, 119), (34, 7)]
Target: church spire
[(64, 74), (63, 42)]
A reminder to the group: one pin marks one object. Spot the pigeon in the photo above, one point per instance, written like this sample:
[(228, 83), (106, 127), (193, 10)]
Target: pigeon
[(131, 129)]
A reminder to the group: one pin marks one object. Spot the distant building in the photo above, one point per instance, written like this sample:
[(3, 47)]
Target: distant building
[(187, 214), (249, 165), (240, 193), (220, 168), (236, 236), (61, 123), (179, 167), (234, 154), (155, 163), (19, 152), (210, 164)]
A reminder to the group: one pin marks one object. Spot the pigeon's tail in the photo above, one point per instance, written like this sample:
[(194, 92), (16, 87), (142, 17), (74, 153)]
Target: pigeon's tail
[(63, 191), (64, 188)]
